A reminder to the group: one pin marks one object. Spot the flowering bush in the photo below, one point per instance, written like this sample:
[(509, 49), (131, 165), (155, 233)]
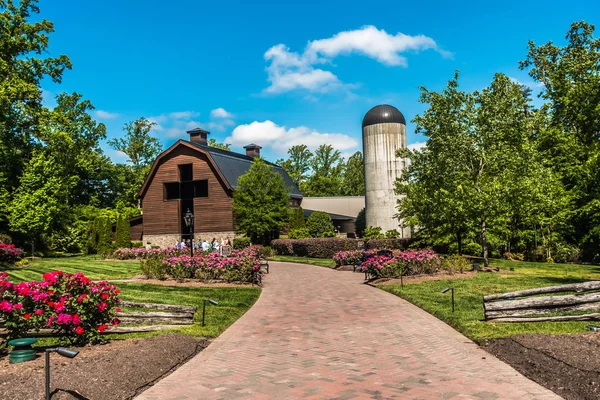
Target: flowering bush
[(136, 253), (9, 254), (417, 262), (379, 266), (349, 257), (73, 306)]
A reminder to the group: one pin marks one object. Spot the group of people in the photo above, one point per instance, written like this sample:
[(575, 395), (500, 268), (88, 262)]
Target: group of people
[(204, 245)]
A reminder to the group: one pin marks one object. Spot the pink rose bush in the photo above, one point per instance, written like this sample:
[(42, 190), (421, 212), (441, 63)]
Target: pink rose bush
[(75, 308), (350, 257), (9, 254), (136, 253), (408, 262), (242, 266)]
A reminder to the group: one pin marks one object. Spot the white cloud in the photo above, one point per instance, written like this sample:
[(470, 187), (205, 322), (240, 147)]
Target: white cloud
[(105, 114), (184, 114), (117, 156), (280, 138), (289, 70), (48, 99), (417, 146), (220, 113)]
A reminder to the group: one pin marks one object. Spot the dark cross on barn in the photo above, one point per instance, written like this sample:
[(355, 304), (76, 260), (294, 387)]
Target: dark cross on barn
[(186, 190)]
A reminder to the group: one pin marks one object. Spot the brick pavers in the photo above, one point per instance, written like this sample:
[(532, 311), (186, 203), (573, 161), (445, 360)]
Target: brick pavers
[(317, 333)]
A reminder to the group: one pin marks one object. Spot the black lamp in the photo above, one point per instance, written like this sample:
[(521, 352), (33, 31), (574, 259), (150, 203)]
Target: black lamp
[(188, 217), (63, 351), (445, 291), (214, 303)]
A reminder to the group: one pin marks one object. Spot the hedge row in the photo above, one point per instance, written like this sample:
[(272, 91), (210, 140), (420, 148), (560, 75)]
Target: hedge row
[(327, 247)]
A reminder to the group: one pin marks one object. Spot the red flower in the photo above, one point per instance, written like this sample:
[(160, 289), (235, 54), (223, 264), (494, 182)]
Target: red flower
[(27, 316), (102, 328), (104, 296), (117, 309), (38, 312), (79, 330), (76, 319), (116, 321), (102, 306)]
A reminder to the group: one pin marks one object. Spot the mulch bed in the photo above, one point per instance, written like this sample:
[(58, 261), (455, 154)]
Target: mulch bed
[(569, 365), (181, 282), (119, 370), (423, 278)]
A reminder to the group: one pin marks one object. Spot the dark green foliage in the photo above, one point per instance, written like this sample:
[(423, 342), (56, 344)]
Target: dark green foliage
[(123, 234), (266, 252), (313, 247), (6, 239), (300, 233), (104, 235), (390, 244), (473, 249), (373, 232), (319, 223), (297, 218), (241, 242), (154, 267), (392, 234), (361, 223), (260, 203), (137, 245)]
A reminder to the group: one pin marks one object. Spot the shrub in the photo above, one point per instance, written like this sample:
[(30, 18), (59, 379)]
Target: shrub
[(473, 249), (6, 239), (565, 253), (456, 264), (241, 243), (123, 233), (329, 234), (418, 262), (301, 233), (73, 306), (373, 232), (361, 223), (137, 245), (518, 256), (392, 244), (313, 247), (297, 218), (507, 256), (22, 263), (392, 234), (153, 267), (9, 254), (319, 223), (265, 252), (380, 266), (550, 260), (349, 257), (104, 234)]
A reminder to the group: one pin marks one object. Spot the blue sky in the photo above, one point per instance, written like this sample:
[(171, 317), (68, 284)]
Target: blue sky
[(282, 73)]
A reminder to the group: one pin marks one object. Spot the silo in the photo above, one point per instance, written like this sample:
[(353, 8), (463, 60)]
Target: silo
[(384, 132)]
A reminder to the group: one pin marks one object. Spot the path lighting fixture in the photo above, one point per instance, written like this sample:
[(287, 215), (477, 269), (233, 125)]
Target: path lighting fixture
[(451, 289), (63, 351), (214, 303), (188, 217)]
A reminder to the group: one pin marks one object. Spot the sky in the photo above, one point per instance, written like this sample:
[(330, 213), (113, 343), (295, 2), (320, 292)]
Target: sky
[(280, 73)]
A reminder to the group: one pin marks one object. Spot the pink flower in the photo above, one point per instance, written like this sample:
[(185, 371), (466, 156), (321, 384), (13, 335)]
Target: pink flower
[(18, 306), (6, 306), (76, 320), (102, 306), (38, 312)]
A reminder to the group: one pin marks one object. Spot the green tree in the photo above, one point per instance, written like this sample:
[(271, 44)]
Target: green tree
[(260, 202), (319, 224), (123, 234), (354, 176), (297, 218), (104, 235), (298, 163), (141, 149), (213, 143), (361, 223)]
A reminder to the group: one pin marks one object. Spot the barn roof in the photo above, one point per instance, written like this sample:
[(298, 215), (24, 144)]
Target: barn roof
[(230, 166)]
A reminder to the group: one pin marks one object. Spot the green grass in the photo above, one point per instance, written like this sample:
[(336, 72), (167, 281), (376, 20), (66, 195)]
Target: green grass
[(233, 303), (468, 317), (91, 266), (320, 262)]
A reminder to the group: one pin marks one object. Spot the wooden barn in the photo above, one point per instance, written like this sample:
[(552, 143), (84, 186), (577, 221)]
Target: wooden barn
[(190, 175)]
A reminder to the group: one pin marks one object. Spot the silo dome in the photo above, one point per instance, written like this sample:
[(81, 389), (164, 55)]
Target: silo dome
[(382, 114)]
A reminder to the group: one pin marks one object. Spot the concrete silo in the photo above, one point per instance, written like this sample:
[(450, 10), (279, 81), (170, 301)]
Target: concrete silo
[(384, 132)]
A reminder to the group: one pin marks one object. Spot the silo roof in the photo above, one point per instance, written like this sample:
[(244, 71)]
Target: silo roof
[(382, 114)]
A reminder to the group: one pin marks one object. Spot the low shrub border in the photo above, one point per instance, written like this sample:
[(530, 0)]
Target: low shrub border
[(328, 247), (9, 254)]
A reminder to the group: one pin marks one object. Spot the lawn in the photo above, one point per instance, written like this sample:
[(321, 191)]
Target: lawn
[(233, 303), (91, 266), (319, 262), (468, 317)]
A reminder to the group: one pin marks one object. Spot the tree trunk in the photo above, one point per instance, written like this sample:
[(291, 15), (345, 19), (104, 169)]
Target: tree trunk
[(486, 261)]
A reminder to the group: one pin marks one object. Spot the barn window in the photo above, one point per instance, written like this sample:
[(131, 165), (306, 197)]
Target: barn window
[(201, 188), (171, 191), (185, 172)]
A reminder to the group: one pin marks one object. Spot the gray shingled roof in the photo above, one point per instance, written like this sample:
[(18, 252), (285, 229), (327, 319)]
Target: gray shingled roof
[(233, 165)]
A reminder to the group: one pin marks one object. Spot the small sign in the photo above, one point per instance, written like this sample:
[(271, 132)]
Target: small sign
[(226, 251), (361, 245)]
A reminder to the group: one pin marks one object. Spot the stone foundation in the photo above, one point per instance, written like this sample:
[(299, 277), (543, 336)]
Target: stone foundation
[(170, 240)]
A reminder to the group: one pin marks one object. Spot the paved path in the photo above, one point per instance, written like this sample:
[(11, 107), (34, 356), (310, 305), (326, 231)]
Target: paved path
[(317, 333)]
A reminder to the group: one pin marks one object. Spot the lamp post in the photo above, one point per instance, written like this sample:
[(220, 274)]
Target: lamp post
[(452, 289), (214, 303), (188, 217), (63, 351)]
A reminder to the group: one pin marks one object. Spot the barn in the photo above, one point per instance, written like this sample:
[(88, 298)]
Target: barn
[(190, 175)]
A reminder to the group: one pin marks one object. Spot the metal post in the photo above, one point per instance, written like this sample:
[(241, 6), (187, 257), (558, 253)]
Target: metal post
[(452, 289), (203, 310), (402, 281), (48, 374), (191, 241)]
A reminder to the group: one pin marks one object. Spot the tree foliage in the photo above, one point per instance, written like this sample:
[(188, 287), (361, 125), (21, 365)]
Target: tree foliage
[(297, 218), (260, 202), (123, 233), (319, 224)]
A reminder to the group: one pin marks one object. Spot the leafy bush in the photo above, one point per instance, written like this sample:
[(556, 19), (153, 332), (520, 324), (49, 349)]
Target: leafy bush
[(392, 234), (361, 223), (519, 256), (319, 223), (301, 233), (411, 262), (473, 249), (313, 247), (153, 267), (265, 252), (349, 257), (297, 218), (9, 254), (6, 239), (329, 234), (565, 253), (22, 263), (392, 244), (550, 260), (103, 228), (73, 306), (456, 264), (241, 243), (137, 245), (373, 232)]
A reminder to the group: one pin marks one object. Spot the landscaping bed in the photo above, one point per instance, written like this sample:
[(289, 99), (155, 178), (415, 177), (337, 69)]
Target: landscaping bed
[(423, 278), (120, 369), (569, 365)]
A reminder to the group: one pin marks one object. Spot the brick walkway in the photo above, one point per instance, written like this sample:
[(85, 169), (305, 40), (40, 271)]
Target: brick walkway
[(317, 333)]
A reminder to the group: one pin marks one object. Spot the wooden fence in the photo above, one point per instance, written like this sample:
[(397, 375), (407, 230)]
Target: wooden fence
[(505, 307)]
